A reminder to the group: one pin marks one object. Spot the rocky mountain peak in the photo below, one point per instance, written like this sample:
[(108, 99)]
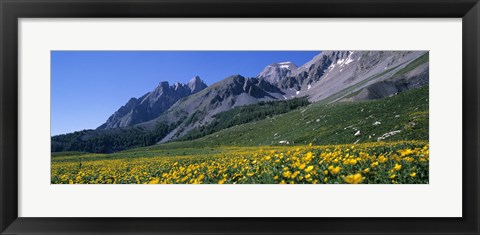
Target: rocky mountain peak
[(177, 86), (196, 84), (163, 84), (276, 72)]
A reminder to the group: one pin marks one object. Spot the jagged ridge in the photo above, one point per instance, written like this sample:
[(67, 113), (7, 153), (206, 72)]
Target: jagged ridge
[(152, 104)]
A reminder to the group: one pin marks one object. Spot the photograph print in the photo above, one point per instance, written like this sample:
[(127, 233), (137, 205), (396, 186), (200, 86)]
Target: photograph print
[(240, 117)]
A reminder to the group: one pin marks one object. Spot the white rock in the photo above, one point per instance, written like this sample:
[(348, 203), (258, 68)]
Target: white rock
[(388, 134)]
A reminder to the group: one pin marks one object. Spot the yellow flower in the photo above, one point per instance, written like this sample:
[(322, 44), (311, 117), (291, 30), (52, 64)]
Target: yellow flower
[(301, 167), (382, 159), (325, 172), (309, 168), (366, 170), (405, 152), (413, 174), (325, 180), (287, 174), (275, 177), (397, 167), (154, 181), (354, 179), (309, 156), (307, 176), (222, 181), (352, 162), (374, 164), (335, 170), (393, 176)]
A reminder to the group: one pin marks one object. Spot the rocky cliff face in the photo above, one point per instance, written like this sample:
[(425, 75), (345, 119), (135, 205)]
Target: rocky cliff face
[(196, 84), (336, 74), (277, 73), (152, 104)]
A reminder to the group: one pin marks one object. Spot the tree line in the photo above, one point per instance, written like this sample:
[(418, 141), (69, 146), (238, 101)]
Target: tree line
[(244, 114), (109, 141)]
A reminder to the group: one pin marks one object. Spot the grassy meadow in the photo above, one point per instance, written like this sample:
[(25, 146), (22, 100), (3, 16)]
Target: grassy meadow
[(374, 163)]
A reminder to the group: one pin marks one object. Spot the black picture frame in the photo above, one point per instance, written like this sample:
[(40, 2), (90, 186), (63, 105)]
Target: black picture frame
[(12, 10)]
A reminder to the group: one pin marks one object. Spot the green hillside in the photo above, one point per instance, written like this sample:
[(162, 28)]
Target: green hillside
[(405, 116), (245, 114)]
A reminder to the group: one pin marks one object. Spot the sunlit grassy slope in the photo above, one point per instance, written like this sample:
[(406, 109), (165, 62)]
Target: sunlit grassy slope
[(405, 116)]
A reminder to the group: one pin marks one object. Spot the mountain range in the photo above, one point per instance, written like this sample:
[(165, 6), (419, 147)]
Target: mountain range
[(329, 77)]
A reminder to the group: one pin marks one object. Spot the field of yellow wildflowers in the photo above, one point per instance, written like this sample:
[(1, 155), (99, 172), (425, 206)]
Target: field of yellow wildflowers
[(403, 162)]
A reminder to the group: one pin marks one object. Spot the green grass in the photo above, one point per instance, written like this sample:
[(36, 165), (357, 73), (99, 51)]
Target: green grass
[(420, 60), (138, 152), (68, 153)]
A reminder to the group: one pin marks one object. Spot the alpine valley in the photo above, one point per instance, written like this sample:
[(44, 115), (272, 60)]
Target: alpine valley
[(373, 101)]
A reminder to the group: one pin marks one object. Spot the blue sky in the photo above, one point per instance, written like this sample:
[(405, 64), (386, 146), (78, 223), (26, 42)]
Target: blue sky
[(89, 86)]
